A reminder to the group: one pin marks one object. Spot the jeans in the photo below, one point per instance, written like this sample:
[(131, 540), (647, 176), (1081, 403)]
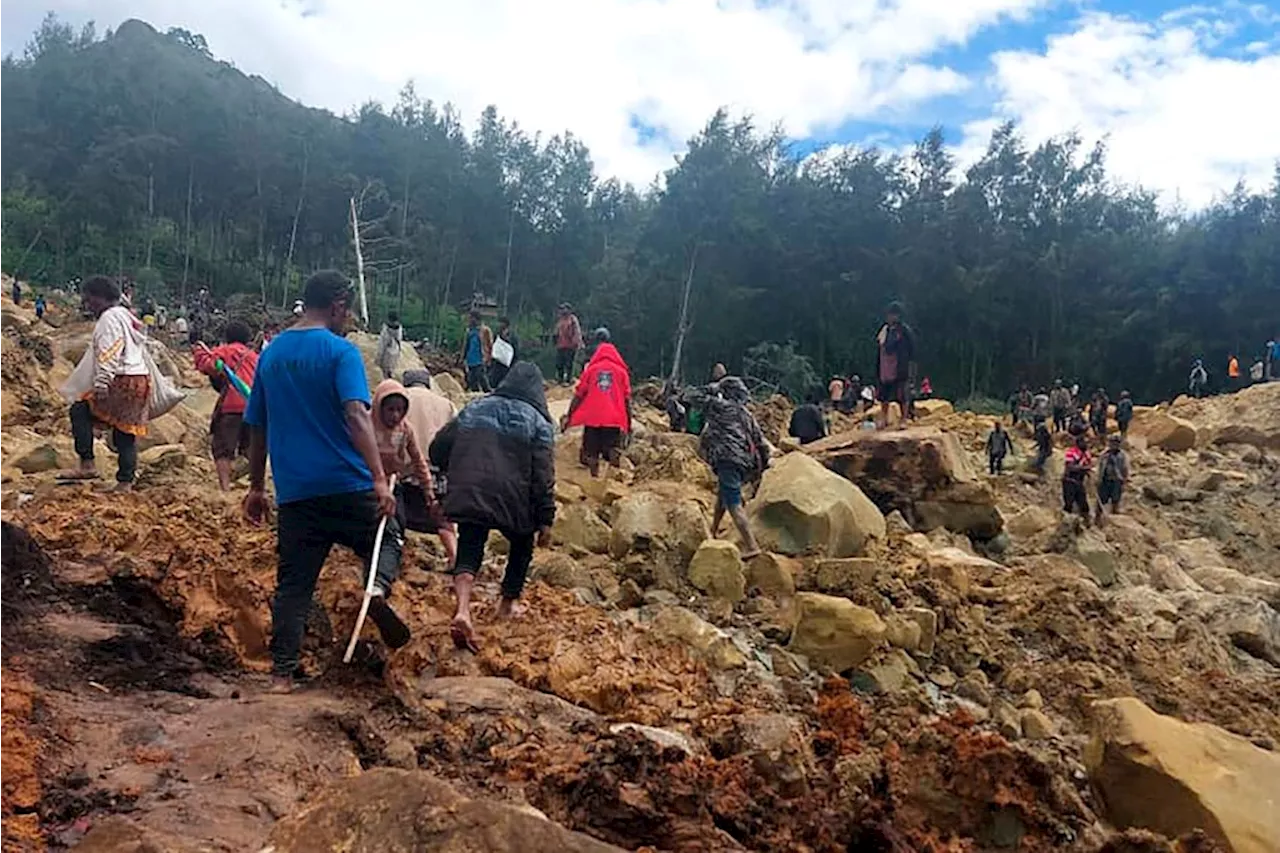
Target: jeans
[(477, 377), (564, 365), (126, 443), (306, 531), (471, 541)]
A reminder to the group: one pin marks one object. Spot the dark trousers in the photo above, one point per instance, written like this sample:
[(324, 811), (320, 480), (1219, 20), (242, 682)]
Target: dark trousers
[(1075, 498), (471, 541), (477, 377), (995, 463), (1059, 420), (564, 365), (126, 444), (308, 529), (497, 372)]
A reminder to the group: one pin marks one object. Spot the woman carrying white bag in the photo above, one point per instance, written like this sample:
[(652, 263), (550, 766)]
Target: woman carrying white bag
[(115, 385)]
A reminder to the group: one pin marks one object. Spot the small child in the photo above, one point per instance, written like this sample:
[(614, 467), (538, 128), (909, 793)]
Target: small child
[(40, 306), (1078, 466), (1114, 473), (416, 505), (998, 444)]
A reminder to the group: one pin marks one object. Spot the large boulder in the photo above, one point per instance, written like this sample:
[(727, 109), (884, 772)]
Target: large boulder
[(578, 526), (1162, 774), (388, 810), (773, 575), (804, 508), (1162, 430), (367, 343), (1030, 521), (922, 472), (704, 640), (1249, 624), (716, 569), (834, 632), (955, 567), (1092, 550), (1230, 582)]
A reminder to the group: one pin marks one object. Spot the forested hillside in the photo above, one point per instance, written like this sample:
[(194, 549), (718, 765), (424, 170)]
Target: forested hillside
[(140, 153)]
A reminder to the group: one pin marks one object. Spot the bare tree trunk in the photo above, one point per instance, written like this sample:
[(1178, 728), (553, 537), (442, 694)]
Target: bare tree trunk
[(186, 249), (506, 281), (293, 232), (18, 269), (448, 285), (684, 317), (151, 210), (355, 238), (404, 243)]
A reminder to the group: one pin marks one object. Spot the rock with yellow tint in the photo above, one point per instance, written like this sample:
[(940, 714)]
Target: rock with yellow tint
[(834, 632), (1160, 773)]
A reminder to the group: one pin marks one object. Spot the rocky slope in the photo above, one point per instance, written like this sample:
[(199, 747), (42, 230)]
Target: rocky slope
[(929, 659)]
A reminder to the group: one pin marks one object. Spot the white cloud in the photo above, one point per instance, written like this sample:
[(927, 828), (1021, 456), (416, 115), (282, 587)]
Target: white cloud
[(1177, 119), (585, 65)]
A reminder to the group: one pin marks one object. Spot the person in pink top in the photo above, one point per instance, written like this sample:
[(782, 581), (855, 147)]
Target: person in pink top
[(428, 413), (568, 342)]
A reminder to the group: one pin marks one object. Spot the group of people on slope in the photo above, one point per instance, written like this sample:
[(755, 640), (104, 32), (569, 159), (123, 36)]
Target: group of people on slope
[(487, 358), (1068, 415), (1263, 369)]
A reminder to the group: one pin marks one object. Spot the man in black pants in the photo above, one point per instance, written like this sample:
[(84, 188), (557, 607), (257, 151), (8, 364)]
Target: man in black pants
[(310, 411), (499, 455)]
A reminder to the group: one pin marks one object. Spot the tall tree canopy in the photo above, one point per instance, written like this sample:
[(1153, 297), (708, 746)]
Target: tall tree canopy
[(140, 153)]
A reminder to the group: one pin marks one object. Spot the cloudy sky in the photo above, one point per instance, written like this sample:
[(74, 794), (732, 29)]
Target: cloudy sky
[(1185, 93)]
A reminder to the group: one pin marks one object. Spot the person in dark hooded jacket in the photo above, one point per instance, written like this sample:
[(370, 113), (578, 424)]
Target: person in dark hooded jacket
[(499, 456), (734, 446)]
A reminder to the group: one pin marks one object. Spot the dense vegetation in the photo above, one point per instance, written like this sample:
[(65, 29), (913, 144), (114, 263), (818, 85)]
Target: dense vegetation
[(140, 153)]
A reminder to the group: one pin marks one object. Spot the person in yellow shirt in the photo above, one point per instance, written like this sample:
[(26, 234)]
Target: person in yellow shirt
[(1233, 372)]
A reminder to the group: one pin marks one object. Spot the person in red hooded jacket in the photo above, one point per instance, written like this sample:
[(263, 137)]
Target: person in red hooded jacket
[(601, 404)]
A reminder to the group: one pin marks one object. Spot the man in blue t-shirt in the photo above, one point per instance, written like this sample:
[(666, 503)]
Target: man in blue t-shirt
[(477, 351), (309, 411)]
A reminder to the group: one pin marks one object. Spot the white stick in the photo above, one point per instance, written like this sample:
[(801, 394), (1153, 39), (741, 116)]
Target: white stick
[(368, 586)]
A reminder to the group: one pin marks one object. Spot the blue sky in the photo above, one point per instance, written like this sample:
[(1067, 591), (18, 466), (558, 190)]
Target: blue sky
[(1181, 91)]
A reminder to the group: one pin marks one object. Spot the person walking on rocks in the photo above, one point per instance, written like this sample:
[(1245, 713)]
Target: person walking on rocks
[(40, 306), (1078, 465), (734, 446), (1044, 446), (1041, 406), (309, 413), (568, 342), (499, 456), (602, 404), (1198, 379), (1124, 413), (429, 413), (228, 435), (1112, 476), (895, 363), (1233, 373), (998, 445), (119, 390), (1098, 413), (404, 454), (389, 341), (477, 352), (1059, 405)]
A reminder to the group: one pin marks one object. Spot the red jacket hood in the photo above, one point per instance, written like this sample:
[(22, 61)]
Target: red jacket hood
[(602, 402)]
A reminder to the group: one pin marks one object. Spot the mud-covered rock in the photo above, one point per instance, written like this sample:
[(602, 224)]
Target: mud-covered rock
[(716, 569), (955, 567), (834, 632), (844, 576), (33, 460), (559, 569), (804, 508), (578, 526), (921, 471), (1162, 430), (1092, 550), (1228, 581), (703, 639), (1250, 625), (773, 575), (1163, 774), (1030, 521), (386, 810)]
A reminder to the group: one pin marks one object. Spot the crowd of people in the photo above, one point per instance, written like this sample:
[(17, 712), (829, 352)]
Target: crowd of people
[(1062, 409)]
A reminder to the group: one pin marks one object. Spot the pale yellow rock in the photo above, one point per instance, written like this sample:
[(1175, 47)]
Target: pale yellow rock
[(1172, 777), (773, 575), (716, 569), (578, 525), (1162, 430), (803, 508), (955, 567), (834, 632)]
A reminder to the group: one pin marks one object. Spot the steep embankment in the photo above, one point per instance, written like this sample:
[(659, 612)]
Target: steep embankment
[(659, 693)]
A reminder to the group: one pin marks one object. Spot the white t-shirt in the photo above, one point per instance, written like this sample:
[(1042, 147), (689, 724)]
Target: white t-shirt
[(180, 325)]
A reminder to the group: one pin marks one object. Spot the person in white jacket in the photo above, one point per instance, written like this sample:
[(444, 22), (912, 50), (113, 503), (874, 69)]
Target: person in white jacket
[(120, 394)]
